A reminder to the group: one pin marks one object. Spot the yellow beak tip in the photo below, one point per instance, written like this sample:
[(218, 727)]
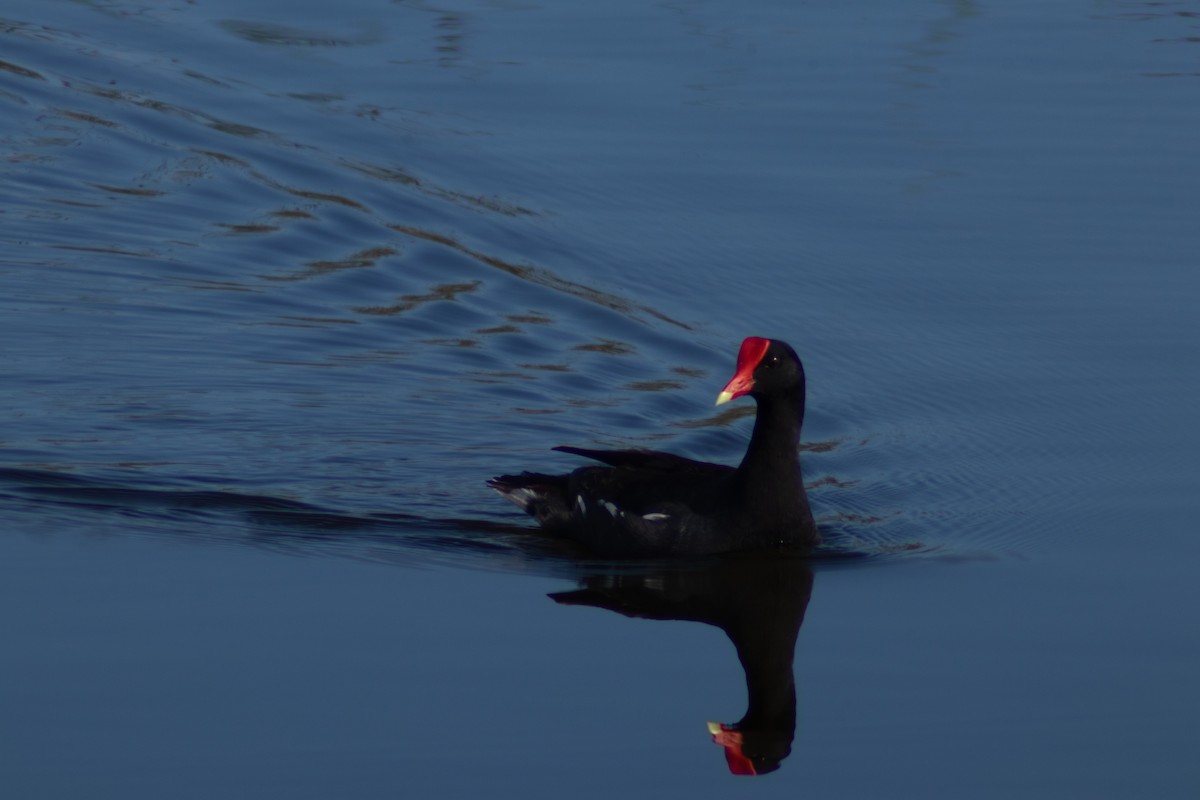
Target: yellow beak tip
[(724, 397)]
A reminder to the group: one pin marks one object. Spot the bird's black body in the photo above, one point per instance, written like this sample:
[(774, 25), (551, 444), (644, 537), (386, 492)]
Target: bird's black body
[(646, 503)]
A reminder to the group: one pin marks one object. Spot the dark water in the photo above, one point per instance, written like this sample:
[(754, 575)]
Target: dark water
[(281, 284)]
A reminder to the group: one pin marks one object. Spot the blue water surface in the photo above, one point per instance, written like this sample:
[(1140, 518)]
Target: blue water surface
[(282, 284)]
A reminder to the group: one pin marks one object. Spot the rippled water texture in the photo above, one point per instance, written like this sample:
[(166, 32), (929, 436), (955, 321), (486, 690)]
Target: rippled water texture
[(282, 284)]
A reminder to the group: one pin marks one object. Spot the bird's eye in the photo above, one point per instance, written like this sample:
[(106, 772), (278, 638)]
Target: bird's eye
[(773, 361)]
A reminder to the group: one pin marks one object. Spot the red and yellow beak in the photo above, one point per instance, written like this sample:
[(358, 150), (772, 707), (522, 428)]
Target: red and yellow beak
[(751, 353)]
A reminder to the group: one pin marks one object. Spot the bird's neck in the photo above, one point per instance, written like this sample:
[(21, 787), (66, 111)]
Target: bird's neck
[(773, 454)]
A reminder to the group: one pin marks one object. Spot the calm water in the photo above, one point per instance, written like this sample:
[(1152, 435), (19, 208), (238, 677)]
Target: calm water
[(281, 284)]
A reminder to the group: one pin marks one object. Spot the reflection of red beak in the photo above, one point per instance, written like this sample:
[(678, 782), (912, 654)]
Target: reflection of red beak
[(749, 356), (731, 740)]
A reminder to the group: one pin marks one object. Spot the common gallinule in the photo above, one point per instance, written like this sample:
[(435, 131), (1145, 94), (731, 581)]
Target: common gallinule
[(647, 503)]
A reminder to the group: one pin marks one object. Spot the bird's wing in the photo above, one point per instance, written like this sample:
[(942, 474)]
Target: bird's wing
[(637, 458)]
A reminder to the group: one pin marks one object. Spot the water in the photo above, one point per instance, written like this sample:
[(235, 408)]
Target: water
[(283, 284)]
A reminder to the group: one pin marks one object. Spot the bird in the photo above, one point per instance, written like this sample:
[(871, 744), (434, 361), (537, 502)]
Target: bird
[(653, 504)]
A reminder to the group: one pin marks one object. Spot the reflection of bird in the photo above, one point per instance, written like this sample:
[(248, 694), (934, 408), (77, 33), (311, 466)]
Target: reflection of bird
[(760, 604), (649, 503)]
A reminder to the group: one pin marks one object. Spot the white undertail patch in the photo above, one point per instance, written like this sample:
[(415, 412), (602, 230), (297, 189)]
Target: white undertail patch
[(522, 496)]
